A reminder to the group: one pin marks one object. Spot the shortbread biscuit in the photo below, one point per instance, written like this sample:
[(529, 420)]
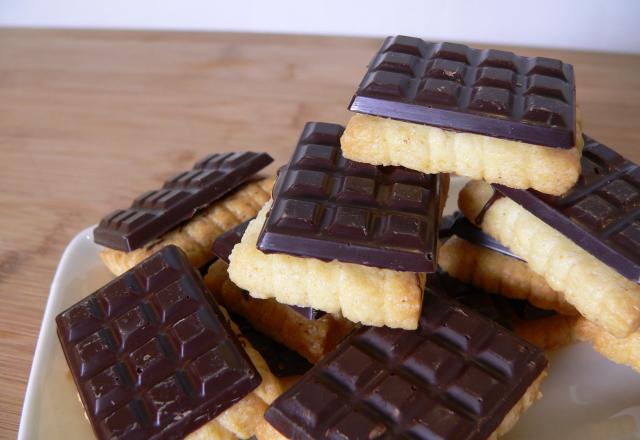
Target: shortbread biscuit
[(554, 332), (429, 149), (494, 272), (624, 351), (363, 294), (597, 291), (241, 420), (312, 339), (548, 333), (264, 430), (196, 236)]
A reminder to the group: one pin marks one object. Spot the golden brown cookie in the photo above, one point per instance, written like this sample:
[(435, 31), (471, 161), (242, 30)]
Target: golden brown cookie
[(429, 149), (597, 291), (624, 351), (494, 272), (312, 339), (196, 236)]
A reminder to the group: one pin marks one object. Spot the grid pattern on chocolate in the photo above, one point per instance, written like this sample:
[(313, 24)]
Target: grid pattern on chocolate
[(458, 373), (328, 207), (489, 92), (601, 213), (150, 355), (155, 212)]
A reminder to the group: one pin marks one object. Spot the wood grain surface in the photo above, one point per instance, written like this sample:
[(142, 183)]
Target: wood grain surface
[(89, 119)]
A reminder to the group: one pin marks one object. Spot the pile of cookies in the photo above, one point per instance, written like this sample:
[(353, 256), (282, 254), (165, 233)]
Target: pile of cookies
[(335, 301)]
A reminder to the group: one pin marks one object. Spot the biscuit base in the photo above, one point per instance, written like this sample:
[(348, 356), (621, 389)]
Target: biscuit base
[(196, 236), (625, 351), (265, 431), (597, 291), (494, 272), (369, 295), (381, 141), (241, 419), (558, 331), (312, 339)]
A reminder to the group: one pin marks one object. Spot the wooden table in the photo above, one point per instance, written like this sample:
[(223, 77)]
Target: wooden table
[(89, 119)]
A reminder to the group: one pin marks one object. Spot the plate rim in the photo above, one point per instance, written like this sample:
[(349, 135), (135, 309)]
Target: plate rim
[(35, 374)]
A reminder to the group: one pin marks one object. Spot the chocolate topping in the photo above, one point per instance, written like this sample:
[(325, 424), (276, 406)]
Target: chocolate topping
[(493, 199), (601, 213), (328, 207), (458, 375), (489, 92), (181, 197), (151, 356)]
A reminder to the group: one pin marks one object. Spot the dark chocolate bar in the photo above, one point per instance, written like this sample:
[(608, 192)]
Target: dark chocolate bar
[(488, 92), (155, 212), (457, 376), (224, 244), (282, 361), (601, 213), (328, 207), (151, 355), (457, 224)]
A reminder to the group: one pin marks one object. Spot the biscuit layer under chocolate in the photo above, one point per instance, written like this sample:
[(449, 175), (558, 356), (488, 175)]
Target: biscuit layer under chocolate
[(282, 361), (222, 248)]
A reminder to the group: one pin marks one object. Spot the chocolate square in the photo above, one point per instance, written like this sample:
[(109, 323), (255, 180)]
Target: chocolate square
[(488, 92), (457, 224), (151, 355), (180, 198), (328, 207), (394, 383)]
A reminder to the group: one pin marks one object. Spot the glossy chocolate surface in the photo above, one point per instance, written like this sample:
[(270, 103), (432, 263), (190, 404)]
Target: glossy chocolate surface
[(457, 376), (181, 197), (331, 208), (224, 244), (151, 356), (601, 213), (488, 92)]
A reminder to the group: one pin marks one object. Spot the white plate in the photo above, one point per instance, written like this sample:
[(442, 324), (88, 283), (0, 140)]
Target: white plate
[(585, 395)]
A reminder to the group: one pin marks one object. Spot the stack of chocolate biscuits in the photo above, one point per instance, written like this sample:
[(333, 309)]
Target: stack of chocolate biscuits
[(335, 301)]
